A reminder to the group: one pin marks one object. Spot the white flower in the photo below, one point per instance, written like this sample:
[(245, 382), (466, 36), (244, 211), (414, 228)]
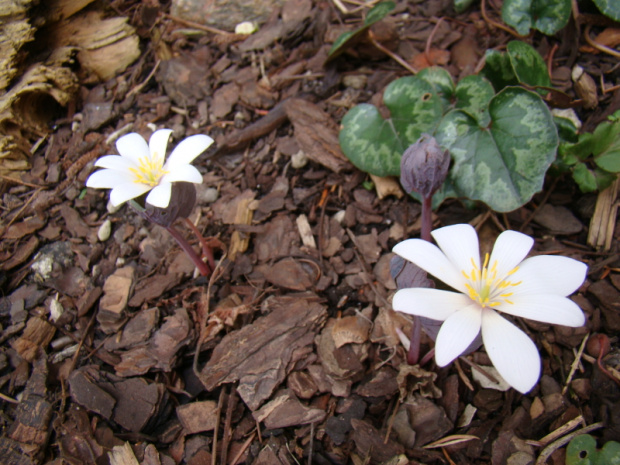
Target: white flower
[(535, 288), (140, 168)]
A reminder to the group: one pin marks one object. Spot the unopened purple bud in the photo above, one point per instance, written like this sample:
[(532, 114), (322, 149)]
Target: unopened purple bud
[(424, 166), (182, 201)]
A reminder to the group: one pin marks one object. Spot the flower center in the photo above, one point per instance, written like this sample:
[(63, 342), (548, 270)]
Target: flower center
[(149, 170), (485, 287)]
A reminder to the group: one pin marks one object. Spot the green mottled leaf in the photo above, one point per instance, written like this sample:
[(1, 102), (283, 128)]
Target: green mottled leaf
[(503, 164), (582, 451), (473, 94), (440, 80), (446, 191), (461, 5), (528, 65), (375, 145), (516, 13), (520, 64), (347, 39), (547, 16), (610, 8), (567, 130)]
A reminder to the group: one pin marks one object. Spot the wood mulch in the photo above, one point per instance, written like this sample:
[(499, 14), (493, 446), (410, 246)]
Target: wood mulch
[(114, 351)]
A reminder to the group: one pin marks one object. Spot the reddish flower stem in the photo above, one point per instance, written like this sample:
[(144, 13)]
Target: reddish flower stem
[(204, 269), (206, 250), (416, 334)]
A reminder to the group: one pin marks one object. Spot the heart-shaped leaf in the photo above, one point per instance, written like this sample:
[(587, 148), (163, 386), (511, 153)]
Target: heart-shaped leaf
[(375, 144), (610, 8), (547, 16), (504, 163), (520, 64)]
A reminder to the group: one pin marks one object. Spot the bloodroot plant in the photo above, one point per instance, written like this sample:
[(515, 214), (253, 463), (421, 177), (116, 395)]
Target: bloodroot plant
[(159, 190), (485, 290)]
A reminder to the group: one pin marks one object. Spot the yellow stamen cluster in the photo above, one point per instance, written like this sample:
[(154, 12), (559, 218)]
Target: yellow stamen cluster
[(149, 170), (484, 286)]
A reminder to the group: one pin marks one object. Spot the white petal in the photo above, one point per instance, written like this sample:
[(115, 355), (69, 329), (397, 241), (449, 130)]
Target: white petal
[(432, 260), (127, 191), (160, 195), (158, 144), (548, 308), (133, 146), (187, 173), (549, 274), (510, 248), (107, 179), (513, 353), (460, 244), (115, 162), (188, 149), (431, 303), (457, 333)]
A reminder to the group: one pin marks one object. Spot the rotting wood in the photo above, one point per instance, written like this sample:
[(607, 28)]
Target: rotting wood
[(603, 221)]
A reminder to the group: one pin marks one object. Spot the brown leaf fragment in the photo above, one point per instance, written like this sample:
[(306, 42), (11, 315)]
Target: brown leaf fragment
[(74, 222), (137, 330), (112, 305), (197, 417), (382, 384), (23, 228), (153, 287), (89, 395), (350, 329), (370, 442), (291, 273), (316, 133), (286, 410), (75, 438), (23, 252), (327, 383), (428, 420), (37, 335), (340, 362), (224, 99), (261, 354)]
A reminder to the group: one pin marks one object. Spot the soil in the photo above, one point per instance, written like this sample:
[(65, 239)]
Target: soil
[(114, 350)]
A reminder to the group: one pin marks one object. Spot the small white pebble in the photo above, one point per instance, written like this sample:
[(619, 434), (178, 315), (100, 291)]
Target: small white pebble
[(104, 231), (56, 309), (120, 262), (339, 216), (246, 28), (299, 160), (209, 195)]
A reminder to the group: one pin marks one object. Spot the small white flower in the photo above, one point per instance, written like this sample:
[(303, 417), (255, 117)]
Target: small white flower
[(535, 288), (140, 168)]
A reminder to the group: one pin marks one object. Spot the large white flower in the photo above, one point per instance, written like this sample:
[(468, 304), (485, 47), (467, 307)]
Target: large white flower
[(535, 288), (140, 168)]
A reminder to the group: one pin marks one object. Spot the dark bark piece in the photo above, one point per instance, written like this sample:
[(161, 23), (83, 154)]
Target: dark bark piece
[(427, 419), (197, 417), (12, 453), (23, 228), (33, 414), (383, 383), (261, 354), (23, 252), (317, 134), (370, 442), (137, 402), (89, 395), (74, 223), (112, 306)]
